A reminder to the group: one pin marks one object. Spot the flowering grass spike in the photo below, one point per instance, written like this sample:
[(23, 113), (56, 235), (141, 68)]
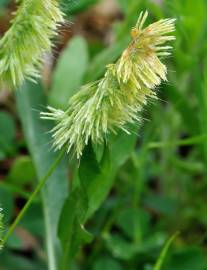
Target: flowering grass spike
[(115, 100), (29, 37)]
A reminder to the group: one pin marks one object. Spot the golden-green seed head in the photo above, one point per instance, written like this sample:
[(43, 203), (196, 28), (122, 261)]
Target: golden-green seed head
[(115, 100)]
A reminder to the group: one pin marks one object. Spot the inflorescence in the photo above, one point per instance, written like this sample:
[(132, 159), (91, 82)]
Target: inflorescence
[(115, 100), (29, 37)]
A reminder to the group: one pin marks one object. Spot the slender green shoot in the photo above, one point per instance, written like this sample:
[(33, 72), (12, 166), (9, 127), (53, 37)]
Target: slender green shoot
[(163, 254), (32, 197)]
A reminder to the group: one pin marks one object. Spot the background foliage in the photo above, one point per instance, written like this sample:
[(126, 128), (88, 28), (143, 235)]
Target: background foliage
[(145, 187)]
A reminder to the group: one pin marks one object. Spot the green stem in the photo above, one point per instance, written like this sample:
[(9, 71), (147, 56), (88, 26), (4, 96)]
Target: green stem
[(32, 197)]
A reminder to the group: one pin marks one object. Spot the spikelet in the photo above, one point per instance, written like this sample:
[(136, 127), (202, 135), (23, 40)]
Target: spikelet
[(1, 227), (29, 37), (115, 100)]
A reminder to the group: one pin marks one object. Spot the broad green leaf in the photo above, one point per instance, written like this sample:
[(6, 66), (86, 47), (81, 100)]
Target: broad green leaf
[(30, 100), (121, 146), (71, 231), (66, 227), (69, 72), (76, 204), (96, 178), (80, 237), (76, 208)]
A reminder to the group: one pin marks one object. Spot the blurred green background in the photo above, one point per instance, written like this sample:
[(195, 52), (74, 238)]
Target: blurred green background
[(161, 184)]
